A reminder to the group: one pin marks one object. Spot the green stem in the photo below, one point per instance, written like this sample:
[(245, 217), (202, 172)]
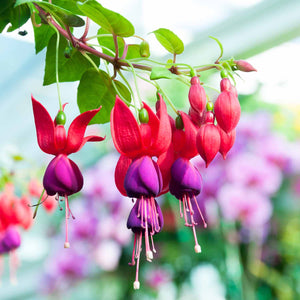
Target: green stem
[(90, 60), (135, 81), (129, 87), (38, 204), (56, 65)]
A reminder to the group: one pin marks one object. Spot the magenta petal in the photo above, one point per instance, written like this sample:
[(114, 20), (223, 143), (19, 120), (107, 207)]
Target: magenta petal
[(185, 179), (143, 178), (62, 177), (134, 219), (10, 241)]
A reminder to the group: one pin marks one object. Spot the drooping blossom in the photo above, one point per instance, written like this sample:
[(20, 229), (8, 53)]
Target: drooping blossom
[(180, 176), (62, 176), (137, 175)]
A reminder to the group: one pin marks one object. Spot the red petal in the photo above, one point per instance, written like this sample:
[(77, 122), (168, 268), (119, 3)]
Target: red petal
[(77, 129), (162, 138), (125, 130), (120, 173), (44, 127), (189, 150)]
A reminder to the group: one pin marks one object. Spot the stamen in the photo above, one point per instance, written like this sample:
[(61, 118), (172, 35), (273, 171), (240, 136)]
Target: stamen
[(184, 212), (142, 213), (199, 210), (180, 209), (157, 227), (197, 246), (13, 265), (191, 210), (136, 284), (149, 254), (67, 244), (153, 248), (133, 252), (70, 212)]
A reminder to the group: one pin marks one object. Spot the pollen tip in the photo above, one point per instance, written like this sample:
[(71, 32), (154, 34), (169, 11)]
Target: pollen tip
[(136, 285), (149, 255), (197, 249), (67, 245)]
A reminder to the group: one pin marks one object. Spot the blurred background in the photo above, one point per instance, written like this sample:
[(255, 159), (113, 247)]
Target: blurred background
[(250, 249)]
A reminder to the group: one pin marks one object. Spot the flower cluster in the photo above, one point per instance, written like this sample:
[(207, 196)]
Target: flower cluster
[(173, 143)]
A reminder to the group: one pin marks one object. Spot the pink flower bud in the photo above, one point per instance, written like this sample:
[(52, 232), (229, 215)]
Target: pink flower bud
[(227, 109), (227, 141), (244, 66), (208, 140), (197, 96)]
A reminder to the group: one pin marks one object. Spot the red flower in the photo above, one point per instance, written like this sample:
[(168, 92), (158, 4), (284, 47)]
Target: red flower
[(133, 140), (62, 176)]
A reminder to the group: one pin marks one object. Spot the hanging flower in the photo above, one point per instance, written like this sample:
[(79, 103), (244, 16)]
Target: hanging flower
[(62, 176), (136, 174), (143, 181)]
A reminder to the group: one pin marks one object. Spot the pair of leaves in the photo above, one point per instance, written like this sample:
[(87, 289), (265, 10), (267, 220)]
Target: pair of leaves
[(96, 89), (69, 69)]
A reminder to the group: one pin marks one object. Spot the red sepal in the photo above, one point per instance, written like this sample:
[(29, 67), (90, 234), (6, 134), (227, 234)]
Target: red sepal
[(44, 127), (77, 129), (125, 130)]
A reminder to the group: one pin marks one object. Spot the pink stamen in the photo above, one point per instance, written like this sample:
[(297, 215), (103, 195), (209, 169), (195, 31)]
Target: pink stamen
[(149, 254), (199, 210), (180, 208), (136, 284), (184, 212), (133, 252), (13, 266), (191, 210), (197, 246), (67, 244), (153, 248)]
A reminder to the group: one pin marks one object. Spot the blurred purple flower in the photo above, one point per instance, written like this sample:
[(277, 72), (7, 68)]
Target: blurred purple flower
[(254, 172), (246, 205), (157, 277)]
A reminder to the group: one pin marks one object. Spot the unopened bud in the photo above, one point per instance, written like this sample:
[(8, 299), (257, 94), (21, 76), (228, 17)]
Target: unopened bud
[(244, 66)]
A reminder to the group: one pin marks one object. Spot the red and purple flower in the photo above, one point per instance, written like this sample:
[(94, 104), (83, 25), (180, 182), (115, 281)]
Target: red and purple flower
[(62, 176)]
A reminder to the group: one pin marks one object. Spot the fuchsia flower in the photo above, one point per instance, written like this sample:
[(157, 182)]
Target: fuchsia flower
[(62, 176), (136, 174), (227, 107), (208, 139), (180, 176)]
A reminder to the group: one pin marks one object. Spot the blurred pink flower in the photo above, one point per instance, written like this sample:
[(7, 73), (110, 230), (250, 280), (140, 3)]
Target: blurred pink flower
[(246, 205)]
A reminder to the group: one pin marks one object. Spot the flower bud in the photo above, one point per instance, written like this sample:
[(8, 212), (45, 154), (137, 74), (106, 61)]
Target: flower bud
[(227, 141), (144, 49), (227, 107), (197, 96), (244, 66), (208, 140)]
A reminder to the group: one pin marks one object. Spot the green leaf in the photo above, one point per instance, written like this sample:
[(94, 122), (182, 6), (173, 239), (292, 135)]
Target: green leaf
[(18, 16), (108, 41), (70, 5), (5, 4), (133, 51), (107, 19), (169, 40), (42, 35), (69, 69), (95, 89), (160, 72), (61, 14)]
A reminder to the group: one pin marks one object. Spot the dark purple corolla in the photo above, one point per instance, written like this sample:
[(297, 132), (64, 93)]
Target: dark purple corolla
[(143, 181), (185, 185), (10, 240)]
